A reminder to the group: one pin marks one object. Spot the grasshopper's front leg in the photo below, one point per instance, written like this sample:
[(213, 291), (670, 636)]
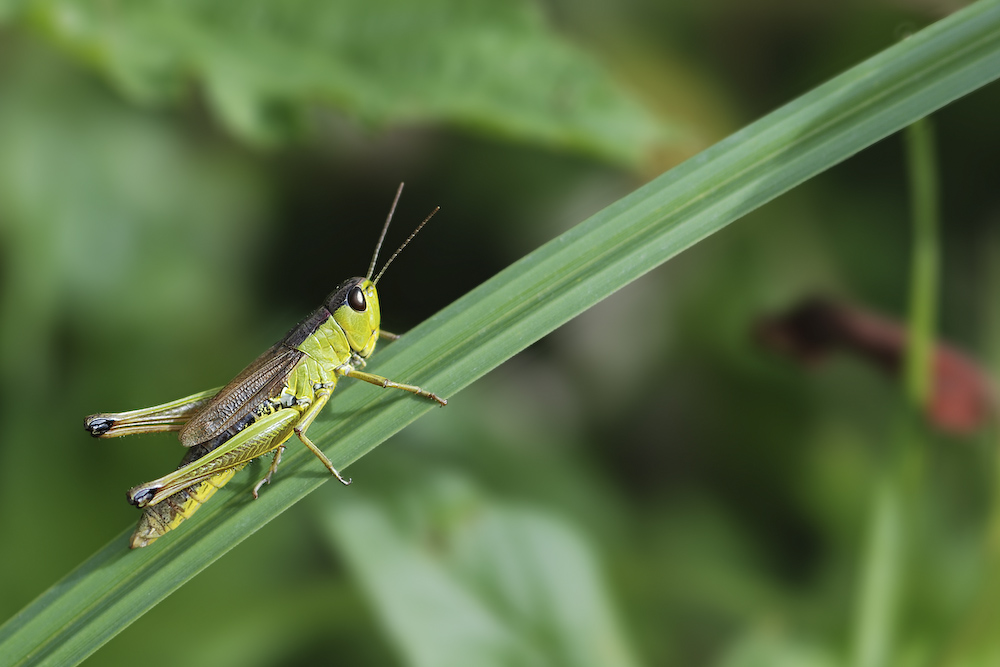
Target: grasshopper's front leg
[(166, 417), (386, 383)]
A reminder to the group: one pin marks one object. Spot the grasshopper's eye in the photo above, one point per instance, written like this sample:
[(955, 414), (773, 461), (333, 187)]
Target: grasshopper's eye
[(356, 299)]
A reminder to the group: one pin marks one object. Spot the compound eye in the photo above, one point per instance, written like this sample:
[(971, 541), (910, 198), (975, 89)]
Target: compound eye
[(356, 299)]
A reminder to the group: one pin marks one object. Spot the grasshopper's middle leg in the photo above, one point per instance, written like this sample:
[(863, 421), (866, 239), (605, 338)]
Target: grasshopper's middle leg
[(166, 417), (322, 396)]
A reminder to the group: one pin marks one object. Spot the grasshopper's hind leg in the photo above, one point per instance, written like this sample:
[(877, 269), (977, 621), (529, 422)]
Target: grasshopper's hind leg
[(270, 471), (261, 437), (166, 417)]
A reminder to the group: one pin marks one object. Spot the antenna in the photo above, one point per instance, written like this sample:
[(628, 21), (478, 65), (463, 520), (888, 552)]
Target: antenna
[(408, 239), (381, 237)]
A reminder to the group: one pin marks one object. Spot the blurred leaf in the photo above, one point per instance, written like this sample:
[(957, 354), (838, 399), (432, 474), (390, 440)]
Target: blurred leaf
[(130, 180), (7, 8), (880, 581), (482, 584), (525, 302), (492, 65)]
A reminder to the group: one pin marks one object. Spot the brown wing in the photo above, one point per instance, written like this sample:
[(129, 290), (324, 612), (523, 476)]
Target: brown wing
[(261, 380)]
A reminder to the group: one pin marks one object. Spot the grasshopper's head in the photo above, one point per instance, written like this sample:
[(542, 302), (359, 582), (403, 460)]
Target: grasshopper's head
[(354, 306), (354, 303)]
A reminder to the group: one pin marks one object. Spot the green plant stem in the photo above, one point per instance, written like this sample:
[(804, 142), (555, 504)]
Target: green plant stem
[(892, 522), (880, 582), (925, 261)]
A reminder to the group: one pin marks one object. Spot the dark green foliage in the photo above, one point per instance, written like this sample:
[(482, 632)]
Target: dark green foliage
[(635, 482)]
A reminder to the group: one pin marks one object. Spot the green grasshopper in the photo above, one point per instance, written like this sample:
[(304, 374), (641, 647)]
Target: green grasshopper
[(279, 394)]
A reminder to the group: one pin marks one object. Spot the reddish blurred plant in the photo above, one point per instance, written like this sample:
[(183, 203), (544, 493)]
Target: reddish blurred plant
[(962, 394)]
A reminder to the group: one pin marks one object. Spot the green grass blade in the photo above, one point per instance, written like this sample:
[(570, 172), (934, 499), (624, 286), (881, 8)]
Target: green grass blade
[(525, 302), (885, 567)]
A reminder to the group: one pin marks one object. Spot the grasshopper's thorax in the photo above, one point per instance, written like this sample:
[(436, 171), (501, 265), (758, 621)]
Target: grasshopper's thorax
[(327, 347)]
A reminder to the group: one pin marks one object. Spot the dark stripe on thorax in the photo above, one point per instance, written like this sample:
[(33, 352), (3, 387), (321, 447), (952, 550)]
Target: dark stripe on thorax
[(306, 327)]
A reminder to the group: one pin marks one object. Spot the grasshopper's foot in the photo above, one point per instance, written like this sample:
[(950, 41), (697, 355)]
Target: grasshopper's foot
[(273, 469)]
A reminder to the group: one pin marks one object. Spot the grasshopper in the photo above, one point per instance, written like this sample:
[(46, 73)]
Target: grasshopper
[(279, 394)]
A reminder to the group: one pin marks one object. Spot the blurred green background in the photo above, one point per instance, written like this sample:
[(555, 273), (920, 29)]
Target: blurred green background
[(179, 184)]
